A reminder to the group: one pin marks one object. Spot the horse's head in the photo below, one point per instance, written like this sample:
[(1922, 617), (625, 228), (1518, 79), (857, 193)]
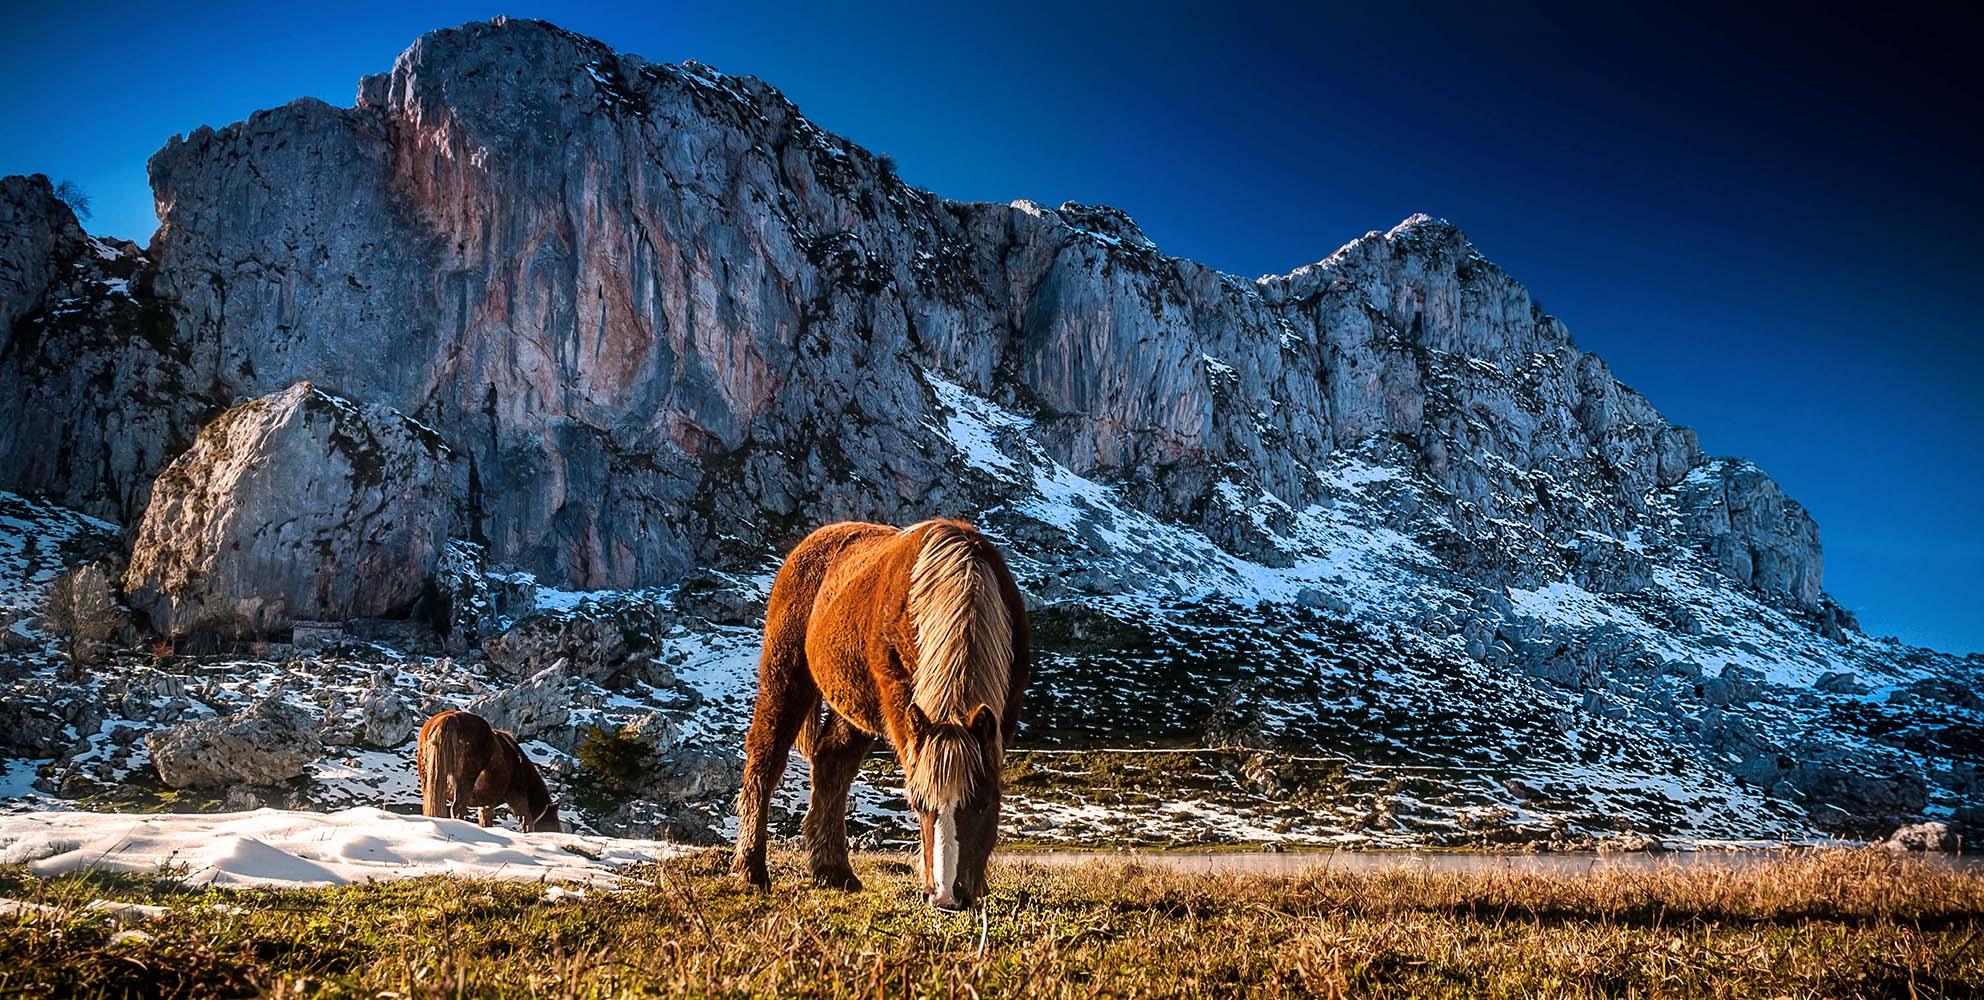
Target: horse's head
[(952, 777), (546, 820)]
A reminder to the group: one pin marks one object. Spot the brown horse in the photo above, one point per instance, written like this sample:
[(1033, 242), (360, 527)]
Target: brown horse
[(463, 762), (917, 634)]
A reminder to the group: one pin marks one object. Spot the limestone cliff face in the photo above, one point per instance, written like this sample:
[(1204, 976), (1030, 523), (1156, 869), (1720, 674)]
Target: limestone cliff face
[(33, 225), (664, 321), (96, 387)]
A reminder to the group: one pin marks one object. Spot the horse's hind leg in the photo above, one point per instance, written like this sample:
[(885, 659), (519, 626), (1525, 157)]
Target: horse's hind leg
[(786, 695), (458, 807), (837, 753)]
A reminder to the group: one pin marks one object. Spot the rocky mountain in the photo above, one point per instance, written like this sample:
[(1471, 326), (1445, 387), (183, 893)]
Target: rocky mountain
[(1372, 550)]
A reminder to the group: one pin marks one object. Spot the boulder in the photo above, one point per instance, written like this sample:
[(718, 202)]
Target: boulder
[(296, 505), (1840, 682), (539, 705), (1929, 836), (1734, 686), (268, 742), (472, 603), (386, 717)]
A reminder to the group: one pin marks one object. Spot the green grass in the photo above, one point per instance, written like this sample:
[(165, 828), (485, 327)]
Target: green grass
[(1822, 925)]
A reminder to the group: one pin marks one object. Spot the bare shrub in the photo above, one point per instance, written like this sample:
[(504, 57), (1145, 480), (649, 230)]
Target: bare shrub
[(82, 609)]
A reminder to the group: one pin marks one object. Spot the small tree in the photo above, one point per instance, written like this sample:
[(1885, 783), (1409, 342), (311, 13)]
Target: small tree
[(73, 195), (83, 610), (615, 759)]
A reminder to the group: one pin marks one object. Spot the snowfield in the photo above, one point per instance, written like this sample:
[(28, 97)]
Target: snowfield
[(283, 848)]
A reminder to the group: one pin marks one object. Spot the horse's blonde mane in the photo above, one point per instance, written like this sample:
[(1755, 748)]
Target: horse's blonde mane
[(963, 630)]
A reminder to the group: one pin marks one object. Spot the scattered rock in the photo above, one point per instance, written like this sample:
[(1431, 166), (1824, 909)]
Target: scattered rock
[(1734, 686), (719, 600), (606, 643), (474, 604)]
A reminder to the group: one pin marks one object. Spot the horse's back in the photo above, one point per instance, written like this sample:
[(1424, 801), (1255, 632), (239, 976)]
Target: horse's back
[(455, 724), (824, 555)]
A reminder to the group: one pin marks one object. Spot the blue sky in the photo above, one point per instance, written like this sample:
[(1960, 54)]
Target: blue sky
[(1766, 225)]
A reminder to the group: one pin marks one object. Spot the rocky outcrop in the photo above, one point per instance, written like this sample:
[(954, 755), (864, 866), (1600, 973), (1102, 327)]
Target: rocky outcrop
[(544, 238), (97, 391), (298, 505), (270, 741), (34, 226), (1756, 534), (473, 604), (608, 642)]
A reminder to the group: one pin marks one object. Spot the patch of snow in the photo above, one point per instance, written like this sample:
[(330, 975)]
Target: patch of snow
[(270, 847)]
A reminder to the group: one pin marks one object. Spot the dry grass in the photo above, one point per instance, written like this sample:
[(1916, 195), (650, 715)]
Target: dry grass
[(1821, 925)]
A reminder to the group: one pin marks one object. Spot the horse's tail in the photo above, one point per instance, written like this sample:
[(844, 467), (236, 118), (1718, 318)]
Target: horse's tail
[(440, 752), (431, 786), (809, 730), (964, 631)]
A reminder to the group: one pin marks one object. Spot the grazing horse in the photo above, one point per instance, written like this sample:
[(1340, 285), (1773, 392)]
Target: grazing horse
[(463, 762), (917, 634)]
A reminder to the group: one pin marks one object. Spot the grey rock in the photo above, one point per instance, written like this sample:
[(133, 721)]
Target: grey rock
[(34, 225), (1734, 686), (298, 505), (474, 602), (96, 391), (541, 704), (1757, 535), (607, 642), (269, 742), (1840, 682), (621, 440), (1928, 836), (655, 732), (387, 718), (719, 600)]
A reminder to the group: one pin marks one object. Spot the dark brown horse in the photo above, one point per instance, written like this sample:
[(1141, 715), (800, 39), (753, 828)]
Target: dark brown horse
[(917, 634), (463, 762)]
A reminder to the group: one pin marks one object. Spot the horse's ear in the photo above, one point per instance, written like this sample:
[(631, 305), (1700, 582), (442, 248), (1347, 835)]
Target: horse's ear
[(919, 724), (984, 723)]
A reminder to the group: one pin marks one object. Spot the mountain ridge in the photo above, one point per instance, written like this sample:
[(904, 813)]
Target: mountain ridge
[(663, 323)]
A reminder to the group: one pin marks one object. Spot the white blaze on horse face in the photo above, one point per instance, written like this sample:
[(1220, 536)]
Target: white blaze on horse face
[(944, 854)]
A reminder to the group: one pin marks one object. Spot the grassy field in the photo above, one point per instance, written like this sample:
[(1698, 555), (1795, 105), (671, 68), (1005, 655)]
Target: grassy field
[(1835, 924)]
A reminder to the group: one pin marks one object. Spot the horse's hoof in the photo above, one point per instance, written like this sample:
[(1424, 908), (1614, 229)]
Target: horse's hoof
[(843, 880), (755, 876)]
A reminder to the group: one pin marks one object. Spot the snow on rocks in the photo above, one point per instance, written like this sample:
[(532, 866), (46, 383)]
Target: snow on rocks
[(280, 848)]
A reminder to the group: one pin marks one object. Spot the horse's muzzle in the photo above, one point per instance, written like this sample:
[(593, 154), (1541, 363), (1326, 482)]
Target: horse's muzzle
[(951, 902)]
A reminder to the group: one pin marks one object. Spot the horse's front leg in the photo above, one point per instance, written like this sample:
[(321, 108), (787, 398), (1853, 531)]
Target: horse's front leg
[(785, 695), (837, 756), (485, 816)]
